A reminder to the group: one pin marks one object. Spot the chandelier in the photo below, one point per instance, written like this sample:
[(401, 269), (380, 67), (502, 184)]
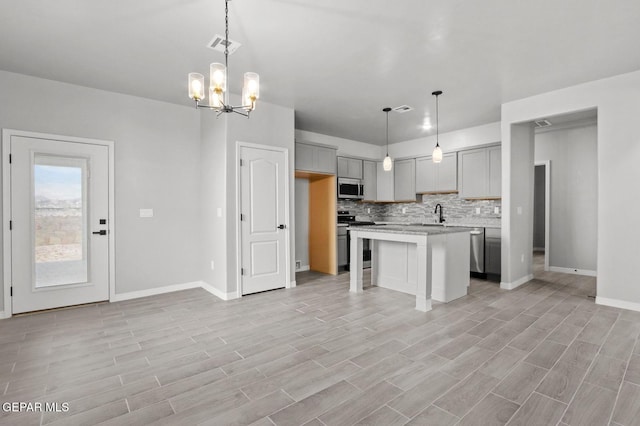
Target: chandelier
[(218, 73)]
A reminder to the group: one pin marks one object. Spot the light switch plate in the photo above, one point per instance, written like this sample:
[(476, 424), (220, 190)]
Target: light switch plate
[(219, 211), (496, 210), (404, 210), (146, 212), (519, 210), (477, 210)]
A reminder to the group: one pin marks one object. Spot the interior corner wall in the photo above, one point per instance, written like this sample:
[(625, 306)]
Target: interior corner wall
[(517, 210), (213, 200), (573, 231), (302, 221), (617, 100), (156, 166), (269, 125)]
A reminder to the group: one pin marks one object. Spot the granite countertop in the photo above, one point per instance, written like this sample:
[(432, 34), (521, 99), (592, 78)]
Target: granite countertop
[(464, 223), (409, 229)]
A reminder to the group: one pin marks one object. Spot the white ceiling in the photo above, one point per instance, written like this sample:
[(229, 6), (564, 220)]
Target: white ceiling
[(337, 62)]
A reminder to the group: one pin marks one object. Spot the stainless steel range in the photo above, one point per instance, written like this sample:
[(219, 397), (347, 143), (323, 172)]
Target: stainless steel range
[(344, 217)]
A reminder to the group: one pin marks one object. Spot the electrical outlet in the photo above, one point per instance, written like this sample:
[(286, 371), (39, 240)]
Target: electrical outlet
[(368, 209), (146, 212), (522, 258), (219, 211), (298, 264), (213, 266), (477, 210), (404, 210), (496, 210)]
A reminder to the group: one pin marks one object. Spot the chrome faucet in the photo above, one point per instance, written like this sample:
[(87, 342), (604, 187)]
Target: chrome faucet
[(440, 218)]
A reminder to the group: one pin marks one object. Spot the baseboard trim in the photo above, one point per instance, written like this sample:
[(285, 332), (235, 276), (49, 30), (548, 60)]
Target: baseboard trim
[(615, 303), (585, 272), (303, 268), (219, 294), (119, 297), (292, 284), (4, 315), (517, 283)]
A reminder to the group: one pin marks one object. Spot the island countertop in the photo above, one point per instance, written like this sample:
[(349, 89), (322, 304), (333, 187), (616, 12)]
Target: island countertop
[(410, 229)]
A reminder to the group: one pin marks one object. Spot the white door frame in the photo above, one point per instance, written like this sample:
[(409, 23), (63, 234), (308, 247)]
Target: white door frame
[(6, 206), (547, 207), (240, 145)]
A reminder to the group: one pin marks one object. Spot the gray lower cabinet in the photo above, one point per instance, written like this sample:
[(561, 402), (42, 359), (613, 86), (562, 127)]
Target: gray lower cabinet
[(493, 251), (314, 158), (369, 180), (404, 180), (349, 167), (342, 248), (480, 172), (437, 177)]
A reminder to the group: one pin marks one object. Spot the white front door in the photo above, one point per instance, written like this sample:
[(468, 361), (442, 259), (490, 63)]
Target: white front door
[(263, 221), (59, 223)]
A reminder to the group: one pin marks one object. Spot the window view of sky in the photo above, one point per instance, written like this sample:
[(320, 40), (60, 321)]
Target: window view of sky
[(57, 182)]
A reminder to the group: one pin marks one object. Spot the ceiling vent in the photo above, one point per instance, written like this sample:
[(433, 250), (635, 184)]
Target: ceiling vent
[(542, 123), (217, 44), (403, 108)]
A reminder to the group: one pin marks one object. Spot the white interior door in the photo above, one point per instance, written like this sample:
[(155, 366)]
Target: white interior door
[(263, 227), (59, 217)]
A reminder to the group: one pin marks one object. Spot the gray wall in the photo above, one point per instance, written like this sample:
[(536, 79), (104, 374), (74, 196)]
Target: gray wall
[(574, 195), (213, 196), (302, 221), (539, 208), (157, 160)]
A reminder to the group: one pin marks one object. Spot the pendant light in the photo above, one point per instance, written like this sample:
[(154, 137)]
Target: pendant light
[(437, 151), (218, 95), (387, 163)]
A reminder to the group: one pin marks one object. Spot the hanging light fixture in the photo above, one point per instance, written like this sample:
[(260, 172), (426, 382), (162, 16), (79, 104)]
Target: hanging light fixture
[(437, 151), (218, 75), (387, 163)]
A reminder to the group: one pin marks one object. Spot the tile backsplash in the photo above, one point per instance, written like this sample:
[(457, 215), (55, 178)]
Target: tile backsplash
[(454, 209)]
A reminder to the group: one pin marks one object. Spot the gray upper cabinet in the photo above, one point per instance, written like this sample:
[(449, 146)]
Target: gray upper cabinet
[(313, 158), (384, 183), (440, 177), (349, 168), (369, 180), (479, 172), (495, 171), (404, 180)]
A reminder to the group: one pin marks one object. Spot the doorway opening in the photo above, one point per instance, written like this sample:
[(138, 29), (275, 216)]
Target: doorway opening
[(565, 199)]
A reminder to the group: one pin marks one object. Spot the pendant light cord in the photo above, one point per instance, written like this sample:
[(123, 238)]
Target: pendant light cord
[(437, 123), (226, 49), (387, 133)]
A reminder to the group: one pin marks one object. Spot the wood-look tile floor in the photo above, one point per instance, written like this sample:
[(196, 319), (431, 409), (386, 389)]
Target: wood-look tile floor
[(317, 355)]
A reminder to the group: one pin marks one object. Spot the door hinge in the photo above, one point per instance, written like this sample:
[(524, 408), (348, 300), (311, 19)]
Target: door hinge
[(11, 291), (241, 271), (241, 163), (10, 159), (241, 216), (10, 225)]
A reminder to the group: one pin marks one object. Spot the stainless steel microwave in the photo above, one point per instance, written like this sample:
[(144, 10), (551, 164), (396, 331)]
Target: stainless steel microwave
[(350, 188)]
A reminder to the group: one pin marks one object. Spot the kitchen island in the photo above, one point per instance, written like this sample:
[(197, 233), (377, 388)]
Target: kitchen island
[(430, 262)]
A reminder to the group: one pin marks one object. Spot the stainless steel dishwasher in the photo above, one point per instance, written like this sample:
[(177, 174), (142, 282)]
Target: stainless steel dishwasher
[(477, 250)]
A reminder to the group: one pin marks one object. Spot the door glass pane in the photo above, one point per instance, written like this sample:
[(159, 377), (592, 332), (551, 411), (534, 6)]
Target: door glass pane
[(60, 231)]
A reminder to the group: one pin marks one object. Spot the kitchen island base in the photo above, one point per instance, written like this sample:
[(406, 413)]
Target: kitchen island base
[(427, 263)]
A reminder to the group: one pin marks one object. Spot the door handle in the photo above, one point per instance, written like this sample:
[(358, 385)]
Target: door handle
[(101, 232), (282, 226)]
